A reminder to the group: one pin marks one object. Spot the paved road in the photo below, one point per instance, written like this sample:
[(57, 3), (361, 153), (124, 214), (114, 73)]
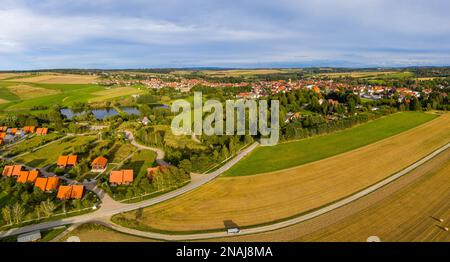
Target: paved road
[(103, 214), (110, 207)]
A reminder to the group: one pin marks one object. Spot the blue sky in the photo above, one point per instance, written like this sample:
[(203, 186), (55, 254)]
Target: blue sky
[(246, 33)]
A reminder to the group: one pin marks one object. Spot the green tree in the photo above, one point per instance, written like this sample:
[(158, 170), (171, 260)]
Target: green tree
[(186, 165), (18, 212), (48, 207), (6, 214)]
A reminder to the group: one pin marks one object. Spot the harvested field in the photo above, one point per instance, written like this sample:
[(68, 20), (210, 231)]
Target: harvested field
[(253, 200), (409, 218), (58, 79), (409, 215)]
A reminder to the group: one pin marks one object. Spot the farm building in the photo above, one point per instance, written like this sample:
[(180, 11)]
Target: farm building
[(99, 164), (70, 192), (121, 177), (67, 161), (47, 184)]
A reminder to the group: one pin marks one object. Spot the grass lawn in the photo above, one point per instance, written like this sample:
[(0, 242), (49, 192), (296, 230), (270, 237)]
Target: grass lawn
[(139, 162), (120, 151), (50, 234), (312, 149), (49, 154), (31, 143), (98, 233)]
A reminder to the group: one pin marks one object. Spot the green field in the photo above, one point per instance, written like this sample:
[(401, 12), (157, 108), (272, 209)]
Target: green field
[(62, 94), (267, 159), (49, 154), (139, 162), (120, 151), (31, 143)]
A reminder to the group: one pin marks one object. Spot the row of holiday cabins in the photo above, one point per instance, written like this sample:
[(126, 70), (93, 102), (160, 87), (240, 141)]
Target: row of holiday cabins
[(50, 184), (8, 135), (46, 184)]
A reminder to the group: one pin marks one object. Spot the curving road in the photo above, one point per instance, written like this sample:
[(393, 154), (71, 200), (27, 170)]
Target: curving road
[(159, 153), (110, 207)]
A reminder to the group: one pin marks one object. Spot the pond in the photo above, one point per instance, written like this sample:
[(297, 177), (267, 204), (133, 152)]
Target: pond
[(130, 110), (160, 106), (98, 113)]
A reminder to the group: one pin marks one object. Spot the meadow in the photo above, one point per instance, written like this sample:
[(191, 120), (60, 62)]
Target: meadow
[(312, 149), (49, 154), (260, 199), (20, 96), (30, 144), (98, 233), (139, 162)]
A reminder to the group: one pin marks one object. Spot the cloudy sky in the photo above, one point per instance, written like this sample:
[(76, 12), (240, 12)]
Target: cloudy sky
[(245, 33)]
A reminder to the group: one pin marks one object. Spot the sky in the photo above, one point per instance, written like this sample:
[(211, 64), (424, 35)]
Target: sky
[(234, 34)]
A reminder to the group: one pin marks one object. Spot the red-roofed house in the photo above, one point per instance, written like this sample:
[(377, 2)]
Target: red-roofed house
[(67, 161), (99, 164), (122, 177)]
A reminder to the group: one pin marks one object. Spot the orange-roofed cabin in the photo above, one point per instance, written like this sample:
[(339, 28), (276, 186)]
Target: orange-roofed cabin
[(29, 129), (23, 177), (47, 184), (16, 170), (99, 164), (70, 192), (67, 161), (28, 176), (41, 131), (77, 192), (64, 192), (122, 177), (7, 170)]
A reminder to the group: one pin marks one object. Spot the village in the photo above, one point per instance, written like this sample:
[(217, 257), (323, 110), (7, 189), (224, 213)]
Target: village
[(72, 159)]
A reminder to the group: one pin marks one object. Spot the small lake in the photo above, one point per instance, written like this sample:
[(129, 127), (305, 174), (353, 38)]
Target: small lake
[(160, 106), (102, 113), (130, 110)]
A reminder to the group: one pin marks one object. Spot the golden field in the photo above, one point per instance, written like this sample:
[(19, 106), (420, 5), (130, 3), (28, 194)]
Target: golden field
[(265, 198), (412, 214), (404, 210), (54, 78)]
